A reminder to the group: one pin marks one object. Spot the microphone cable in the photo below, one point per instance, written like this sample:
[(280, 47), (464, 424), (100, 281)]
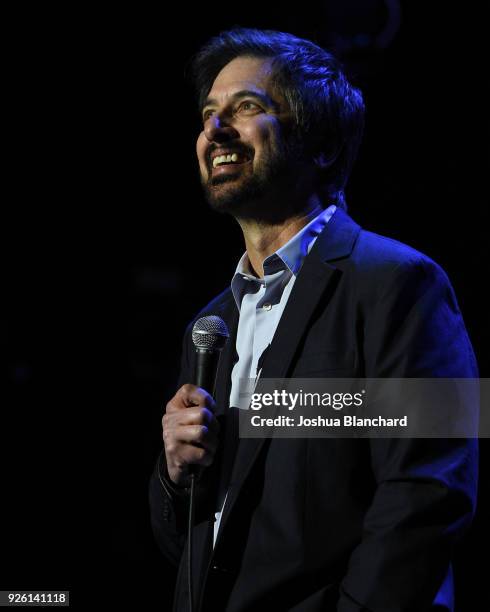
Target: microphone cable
[(190, 526)]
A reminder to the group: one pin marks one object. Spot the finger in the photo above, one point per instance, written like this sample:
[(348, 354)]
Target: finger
[(196, 416), (191, 395), (175, 433), (197, 434), (191, 454), (180, 444)]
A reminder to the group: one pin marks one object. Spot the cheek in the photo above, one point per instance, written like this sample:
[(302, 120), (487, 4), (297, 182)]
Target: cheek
[(267, 137), (201, 150)]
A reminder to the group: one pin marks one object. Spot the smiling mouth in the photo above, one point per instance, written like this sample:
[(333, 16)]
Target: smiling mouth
[(225, 160), (230, 159)]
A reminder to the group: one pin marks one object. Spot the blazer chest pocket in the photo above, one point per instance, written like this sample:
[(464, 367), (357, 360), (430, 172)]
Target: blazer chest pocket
[(324, 362)]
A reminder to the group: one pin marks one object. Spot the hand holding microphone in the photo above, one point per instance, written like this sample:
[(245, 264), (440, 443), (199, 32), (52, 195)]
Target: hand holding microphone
[(190, 429)]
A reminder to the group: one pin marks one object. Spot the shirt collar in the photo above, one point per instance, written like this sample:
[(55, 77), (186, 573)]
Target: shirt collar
[(290, 256), (293, 252)]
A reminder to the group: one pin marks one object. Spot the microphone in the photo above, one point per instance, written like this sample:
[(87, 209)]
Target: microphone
[(209, 336)]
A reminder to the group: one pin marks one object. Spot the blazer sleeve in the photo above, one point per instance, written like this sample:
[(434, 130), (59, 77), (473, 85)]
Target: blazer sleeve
[(426, 488), (168, 504)]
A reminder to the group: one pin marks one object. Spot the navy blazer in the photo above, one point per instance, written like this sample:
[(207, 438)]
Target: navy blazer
[(314, 525)]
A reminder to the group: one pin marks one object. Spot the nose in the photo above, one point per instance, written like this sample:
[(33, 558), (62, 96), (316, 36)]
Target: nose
[(218, 130)]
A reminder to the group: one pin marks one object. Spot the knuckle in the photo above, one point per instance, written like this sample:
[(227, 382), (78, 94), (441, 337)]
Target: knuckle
[(179, 463), (170, 407), (186, 389), (201, 454), (202, 416), (168, 426), (201, 431), (170, 446)]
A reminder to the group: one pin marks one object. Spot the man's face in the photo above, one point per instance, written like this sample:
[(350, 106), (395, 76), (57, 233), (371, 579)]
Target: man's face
[(244, 159)]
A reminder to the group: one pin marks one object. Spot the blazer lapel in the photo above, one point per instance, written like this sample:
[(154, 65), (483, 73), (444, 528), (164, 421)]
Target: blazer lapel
[(229, 312), (316, 278)]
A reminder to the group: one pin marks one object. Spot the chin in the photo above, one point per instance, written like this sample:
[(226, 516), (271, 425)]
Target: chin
[(227, 195), (225, 202), (244, 197)]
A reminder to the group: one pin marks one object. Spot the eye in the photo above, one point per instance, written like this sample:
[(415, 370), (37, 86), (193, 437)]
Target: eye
[(248, 106), (207, 114)]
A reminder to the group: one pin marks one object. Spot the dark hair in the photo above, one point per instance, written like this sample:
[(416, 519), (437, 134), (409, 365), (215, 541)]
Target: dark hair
[(328, 111)]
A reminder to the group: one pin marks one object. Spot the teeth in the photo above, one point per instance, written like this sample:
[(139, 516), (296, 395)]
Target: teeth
[(225, 159)]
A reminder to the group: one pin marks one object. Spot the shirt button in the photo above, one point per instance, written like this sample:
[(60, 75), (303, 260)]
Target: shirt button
[(267, 306)]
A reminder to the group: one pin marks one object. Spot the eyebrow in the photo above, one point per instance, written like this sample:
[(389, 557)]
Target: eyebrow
[(244, 93)]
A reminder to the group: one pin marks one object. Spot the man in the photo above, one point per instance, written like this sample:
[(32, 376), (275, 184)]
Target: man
[(308, 524)]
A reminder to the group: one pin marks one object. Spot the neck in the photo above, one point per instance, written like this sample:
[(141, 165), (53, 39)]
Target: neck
[(263, 239)]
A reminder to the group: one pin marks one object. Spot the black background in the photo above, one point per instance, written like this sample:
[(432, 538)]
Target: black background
[(110, 250)]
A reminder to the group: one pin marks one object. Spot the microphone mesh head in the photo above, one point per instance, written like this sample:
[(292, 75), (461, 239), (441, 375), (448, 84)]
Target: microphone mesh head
[(210, 333)]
